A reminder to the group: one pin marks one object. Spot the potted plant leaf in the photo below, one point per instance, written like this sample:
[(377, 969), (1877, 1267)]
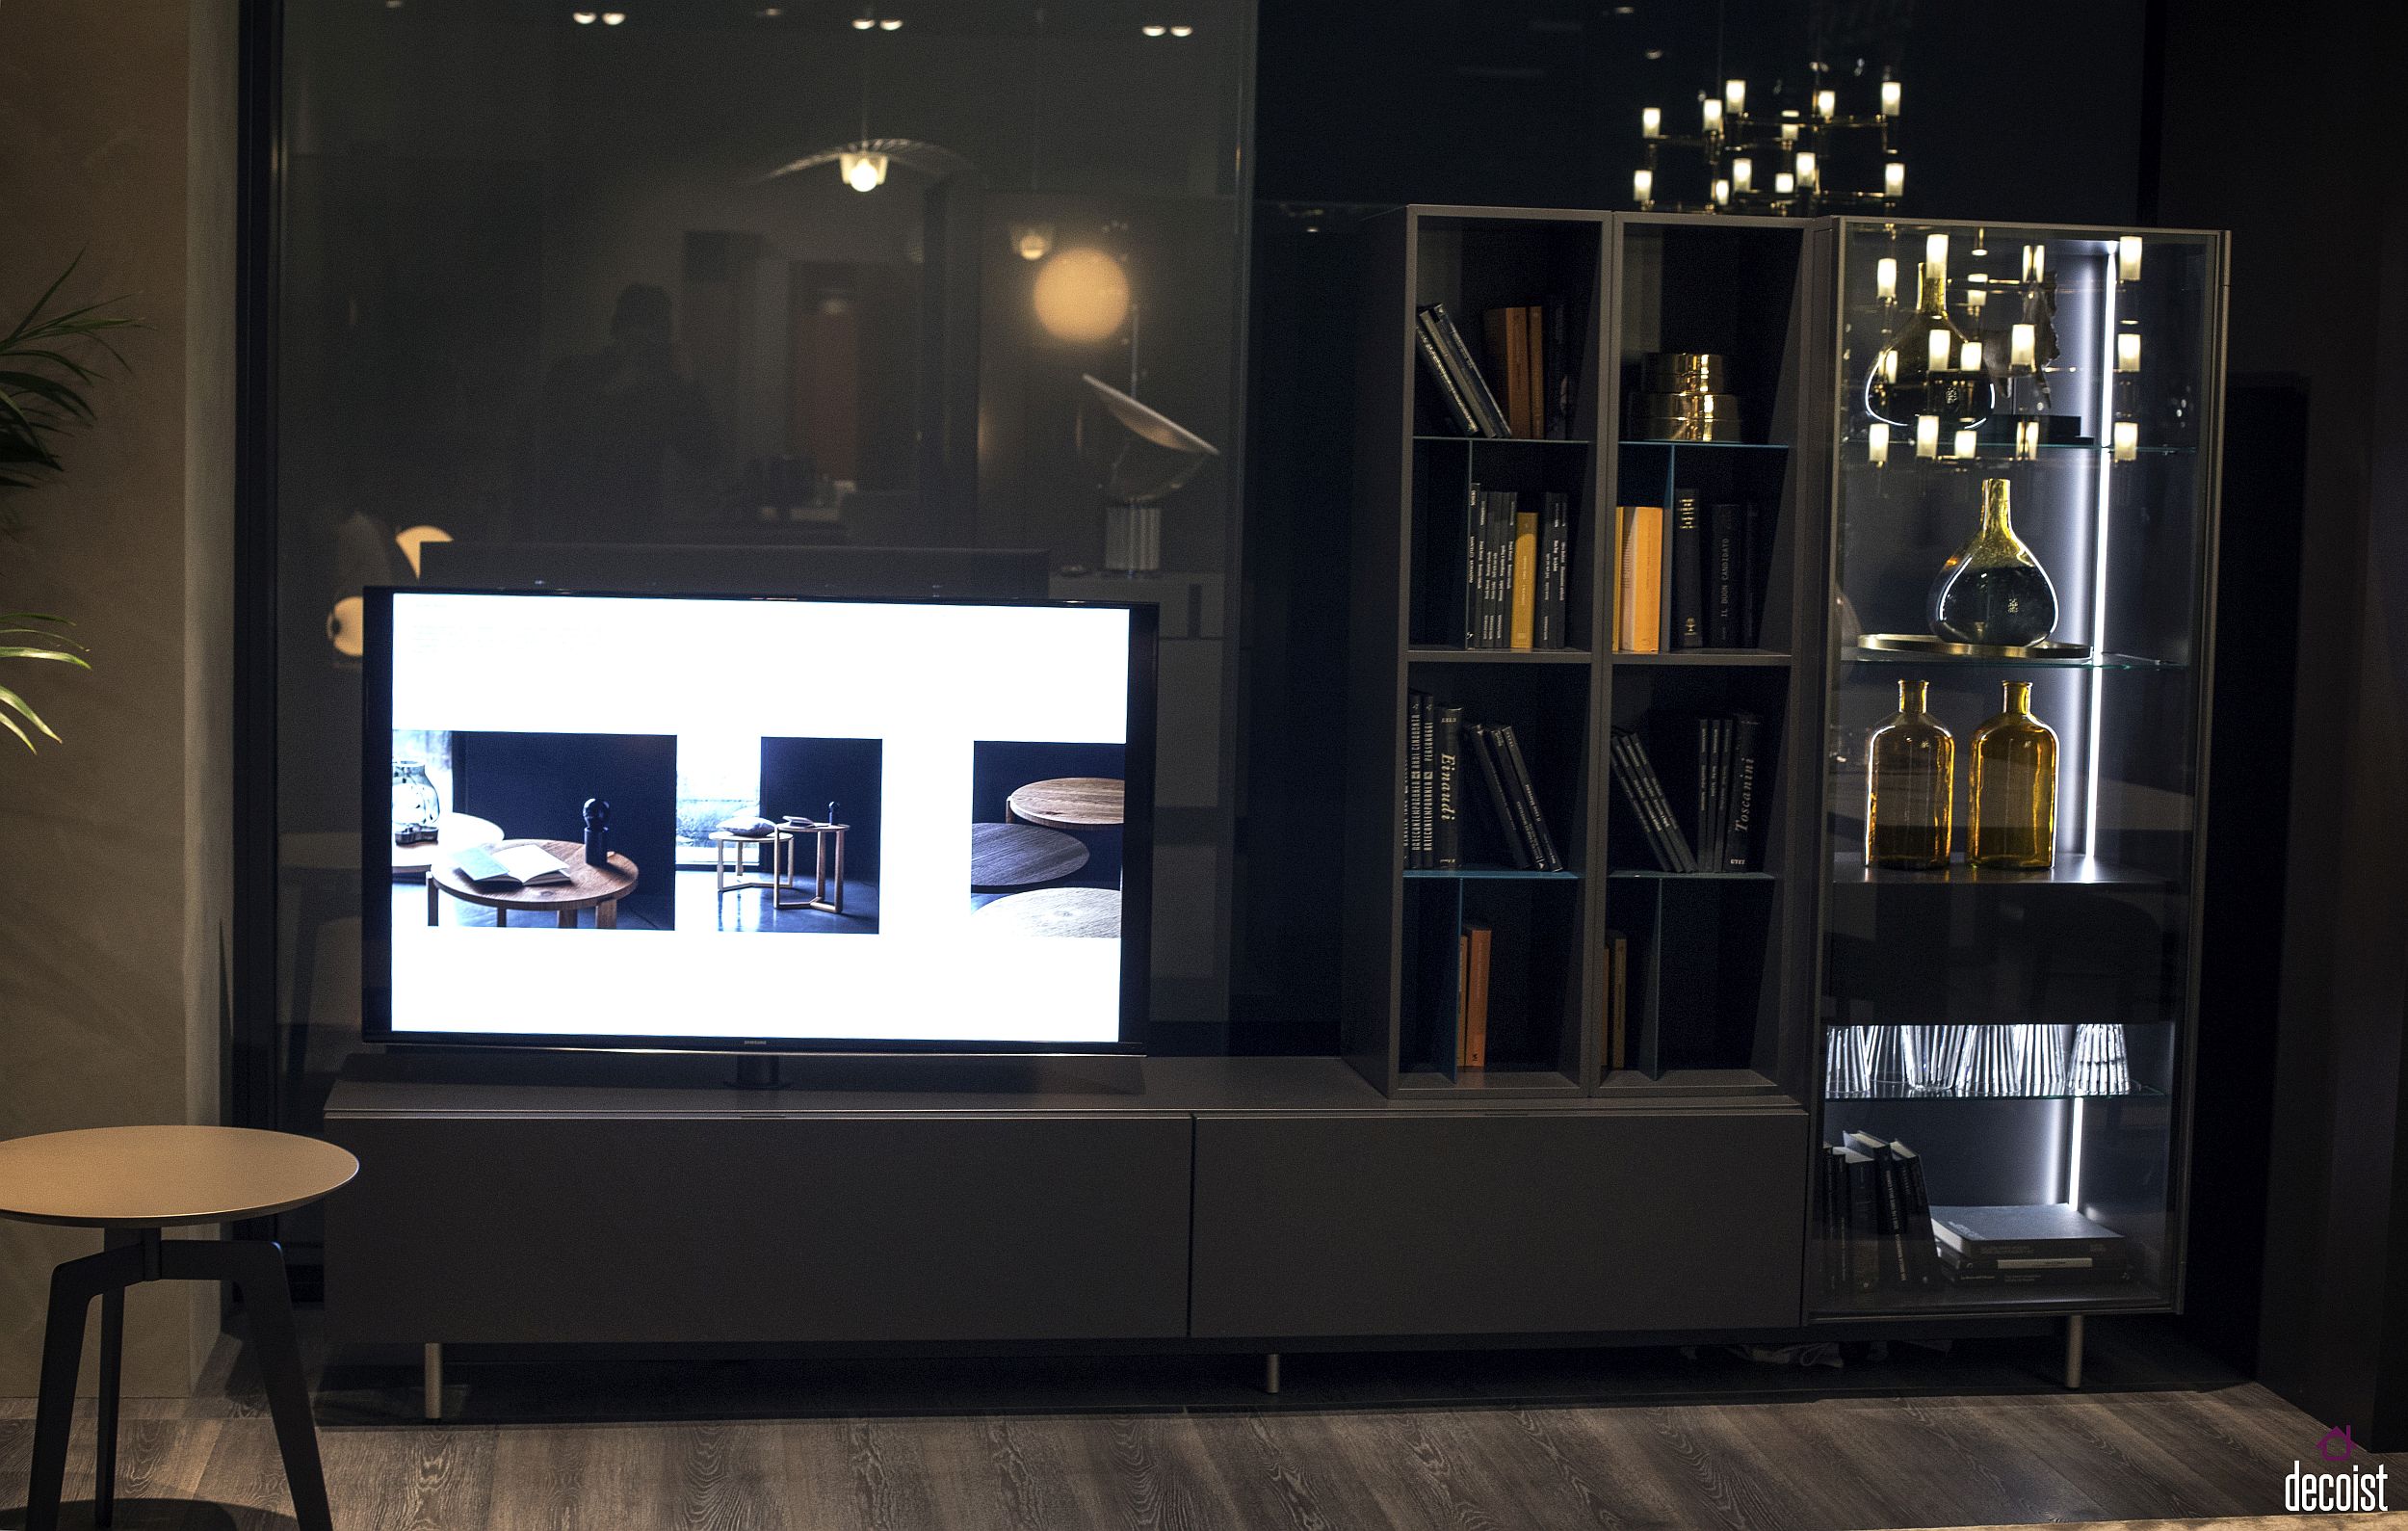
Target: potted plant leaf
[(45, 370)]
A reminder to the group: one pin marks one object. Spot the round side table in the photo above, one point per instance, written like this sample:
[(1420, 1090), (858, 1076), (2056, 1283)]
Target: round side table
[(131, 1183), (1054, 912), (1068, 802), (597, 889), (1005, 855)]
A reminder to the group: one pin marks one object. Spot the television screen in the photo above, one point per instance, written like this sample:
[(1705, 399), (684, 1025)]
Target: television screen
[(703, 822)]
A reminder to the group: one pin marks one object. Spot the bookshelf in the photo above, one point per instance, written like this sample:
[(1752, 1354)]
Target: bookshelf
[(1713, 960), (1791, 977)]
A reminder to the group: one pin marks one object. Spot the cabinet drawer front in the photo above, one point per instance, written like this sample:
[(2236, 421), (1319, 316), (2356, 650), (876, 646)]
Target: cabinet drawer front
[(1474, 1223), (852, 1229)]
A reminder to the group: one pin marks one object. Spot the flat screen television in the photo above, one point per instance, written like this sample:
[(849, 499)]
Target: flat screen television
[(819, 826)]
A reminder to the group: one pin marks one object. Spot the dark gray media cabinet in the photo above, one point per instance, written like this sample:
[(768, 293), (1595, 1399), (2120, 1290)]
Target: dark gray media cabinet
[(1239, 1203), (1388, 1196)]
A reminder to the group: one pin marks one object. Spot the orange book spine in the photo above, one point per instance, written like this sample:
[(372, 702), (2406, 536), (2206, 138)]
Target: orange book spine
[(1525, 631)]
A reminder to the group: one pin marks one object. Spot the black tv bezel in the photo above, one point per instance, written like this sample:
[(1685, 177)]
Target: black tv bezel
[(377, 847)]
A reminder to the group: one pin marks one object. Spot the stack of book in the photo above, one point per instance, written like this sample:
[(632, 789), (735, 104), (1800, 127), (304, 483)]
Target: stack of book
[(1876, 1222), (1504, 581), (1722, 558), (1706, 820), (1530, 353), (2045, 1245), (1437, 776)]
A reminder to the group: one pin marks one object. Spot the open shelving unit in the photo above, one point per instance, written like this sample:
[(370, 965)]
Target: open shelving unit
[(1739, 985)]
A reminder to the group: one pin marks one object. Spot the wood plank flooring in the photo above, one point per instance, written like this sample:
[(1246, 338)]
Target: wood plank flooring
[(1597, 1439)]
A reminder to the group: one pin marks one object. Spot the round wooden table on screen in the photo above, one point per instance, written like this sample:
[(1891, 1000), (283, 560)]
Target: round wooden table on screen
[(1068, 802), (454, 833), (1018, 855), (597, 889), (1054, 912), (131, 1183)]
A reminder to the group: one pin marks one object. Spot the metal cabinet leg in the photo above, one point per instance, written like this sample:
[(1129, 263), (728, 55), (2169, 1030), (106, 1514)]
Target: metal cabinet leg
[(431, 1380), (2073, 1351), (1270, 1372)]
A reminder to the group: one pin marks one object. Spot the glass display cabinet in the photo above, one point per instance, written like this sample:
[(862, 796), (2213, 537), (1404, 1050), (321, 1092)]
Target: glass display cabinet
[(2021, 552)]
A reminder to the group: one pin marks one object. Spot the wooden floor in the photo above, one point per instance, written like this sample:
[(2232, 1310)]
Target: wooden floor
[(1640, 1438)]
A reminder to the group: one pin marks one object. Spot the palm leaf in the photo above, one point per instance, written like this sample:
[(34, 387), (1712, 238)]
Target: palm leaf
[(45, 373), (10, 699), (10, 723)]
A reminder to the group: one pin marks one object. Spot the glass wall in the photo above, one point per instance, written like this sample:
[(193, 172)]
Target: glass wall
[(723, 294)]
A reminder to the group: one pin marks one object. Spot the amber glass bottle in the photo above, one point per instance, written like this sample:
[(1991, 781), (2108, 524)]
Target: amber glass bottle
[(1909, 786), (2014, 788)]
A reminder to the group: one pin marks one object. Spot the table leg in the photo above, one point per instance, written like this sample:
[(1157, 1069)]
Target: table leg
[(501, 915), (606, 915), (431, 900), (257, 1268), (840, 871), (818, 869), (568, 919), (104, 1468)]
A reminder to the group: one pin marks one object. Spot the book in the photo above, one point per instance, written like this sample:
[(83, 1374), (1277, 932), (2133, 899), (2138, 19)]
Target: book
[(1458, 408), (1517, 771), (1638, 594), (1446, 755), (1863, 1219), (1561, 385), (1617, 1000), (510, 866), (1831, 1223), (1665, 841), (1688, 572), (1534, 319), (2023, 1232), (1413, 720), (1500, 809), (1918, 1212), (1720, 798), (1554, 569), (1899, 1268), (1755, 571), (1462, 995), (1467, 374), (1498, 598), (1722, 577), (1522, 629), (1466, 615), (1509, 334), (1478, 941), (1743, 813), (2059, 1267)]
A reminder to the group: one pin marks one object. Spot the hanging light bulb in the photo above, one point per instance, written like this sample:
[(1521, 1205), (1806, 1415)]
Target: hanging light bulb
[(1643, 187), (1651, 121), (1032, 241), (863, 171), (1877, 442)]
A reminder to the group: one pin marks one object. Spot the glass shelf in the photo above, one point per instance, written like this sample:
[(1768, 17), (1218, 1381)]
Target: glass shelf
[(2083, 1297), (1492, 874), (1848, 867), (1994, 453), (1902, 656), (1902, 1094)]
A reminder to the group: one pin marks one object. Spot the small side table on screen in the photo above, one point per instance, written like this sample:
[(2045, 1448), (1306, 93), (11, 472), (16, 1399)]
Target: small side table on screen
[(788, 876)]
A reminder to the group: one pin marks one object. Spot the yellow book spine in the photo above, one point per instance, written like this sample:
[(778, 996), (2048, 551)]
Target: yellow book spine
[(1525, 579)]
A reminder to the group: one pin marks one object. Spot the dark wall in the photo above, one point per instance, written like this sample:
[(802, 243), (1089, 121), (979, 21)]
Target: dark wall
[(803, 775), (535, 786), (2319, 301)]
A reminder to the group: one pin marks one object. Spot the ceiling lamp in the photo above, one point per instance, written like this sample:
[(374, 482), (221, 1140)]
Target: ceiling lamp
[(1032, 241), (863, 170), (891, 24), (1182, 30), (584, 18), (864, 23), (612, 18), (1153, 29)]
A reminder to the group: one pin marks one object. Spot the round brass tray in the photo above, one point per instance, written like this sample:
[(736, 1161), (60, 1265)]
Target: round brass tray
[(1926, 644)]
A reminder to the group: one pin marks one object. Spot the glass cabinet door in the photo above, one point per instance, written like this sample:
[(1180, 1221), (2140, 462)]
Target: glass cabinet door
[(2023, 516)]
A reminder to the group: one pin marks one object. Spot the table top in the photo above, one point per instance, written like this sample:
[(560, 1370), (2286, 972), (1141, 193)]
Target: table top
[(1056, 911), (453, 831), (1018, 855), (1069, 803), (164, 1176), (586, 886)]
